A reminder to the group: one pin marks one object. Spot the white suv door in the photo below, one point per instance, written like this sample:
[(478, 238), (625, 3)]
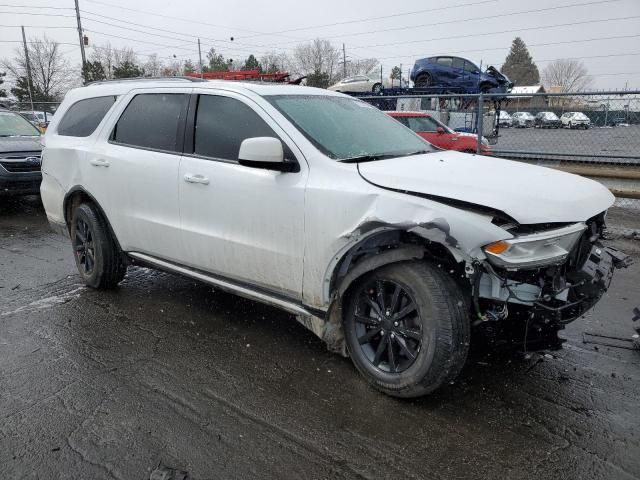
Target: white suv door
[(240, 222), (132, 171)]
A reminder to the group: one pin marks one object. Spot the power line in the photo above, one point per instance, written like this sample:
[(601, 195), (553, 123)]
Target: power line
[(171, 17), (193, 36), (421, 55), (39, 14), (458, 21), (497, 32), (371, 19), (33, 6), (36, 26)]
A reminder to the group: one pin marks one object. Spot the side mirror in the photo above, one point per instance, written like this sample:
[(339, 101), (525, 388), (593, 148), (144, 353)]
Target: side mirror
[(441, 131), (263, 152)]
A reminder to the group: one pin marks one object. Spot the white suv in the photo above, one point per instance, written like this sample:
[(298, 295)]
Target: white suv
[(390, 250)]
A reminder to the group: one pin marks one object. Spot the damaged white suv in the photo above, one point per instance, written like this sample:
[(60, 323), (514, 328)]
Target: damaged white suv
[(390, 250)]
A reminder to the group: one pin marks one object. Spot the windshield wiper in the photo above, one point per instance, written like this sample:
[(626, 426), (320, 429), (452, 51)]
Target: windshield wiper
[(368, 158), (417, 152)]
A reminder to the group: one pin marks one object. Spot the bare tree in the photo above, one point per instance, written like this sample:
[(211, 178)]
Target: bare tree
[(153, 66), (567, 74), (272, 62), (361, 66), (51, 73), (318, 57), (111, 57)]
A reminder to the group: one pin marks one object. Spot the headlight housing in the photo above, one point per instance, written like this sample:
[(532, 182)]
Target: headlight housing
[(484, 141), (551, 247)]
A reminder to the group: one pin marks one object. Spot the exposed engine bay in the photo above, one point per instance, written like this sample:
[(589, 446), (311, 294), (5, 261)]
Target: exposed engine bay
[(529, 306)]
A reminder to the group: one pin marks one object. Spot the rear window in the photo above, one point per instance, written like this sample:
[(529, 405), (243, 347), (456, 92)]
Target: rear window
[(83, 117), (152, 120)]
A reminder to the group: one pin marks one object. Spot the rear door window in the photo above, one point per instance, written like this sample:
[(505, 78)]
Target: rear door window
[(153, 121), (84, 116), (444, 61)]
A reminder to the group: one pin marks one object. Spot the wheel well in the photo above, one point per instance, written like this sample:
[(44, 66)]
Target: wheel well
[(384, 248), (78, 196)]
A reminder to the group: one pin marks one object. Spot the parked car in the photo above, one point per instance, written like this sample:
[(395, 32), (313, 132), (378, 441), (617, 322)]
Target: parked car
[(437, 133), (546, 120), (459, 75), (504, 119), (20, 151), (522, 120), (360, 83), (575, 120), (318, 203)]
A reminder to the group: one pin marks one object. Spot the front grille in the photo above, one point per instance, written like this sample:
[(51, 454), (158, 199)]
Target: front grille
[(21, 163)]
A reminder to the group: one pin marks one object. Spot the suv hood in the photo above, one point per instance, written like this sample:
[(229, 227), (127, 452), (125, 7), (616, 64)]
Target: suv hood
[(527, 193), (20, 144)]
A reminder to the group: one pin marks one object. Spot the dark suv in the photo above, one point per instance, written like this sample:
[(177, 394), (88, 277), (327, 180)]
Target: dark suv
[(20, 155)]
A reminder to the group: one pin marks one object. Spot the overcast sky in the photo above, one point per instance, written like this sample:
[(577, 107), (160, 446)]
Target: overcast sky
[(396, 32)]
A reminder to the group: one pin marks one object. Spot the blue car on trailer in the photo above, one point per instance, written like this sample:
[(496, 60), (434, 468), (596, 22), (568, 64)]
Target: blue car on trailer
[(458, 75)]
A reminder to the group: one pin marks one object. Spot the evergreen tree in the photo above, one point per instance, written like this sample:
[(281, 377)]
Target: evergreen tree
[(93, 72), (519, 66), (189, 67), (21, 91), (318, 79), (252, 64), (217, 62), (127, 69), (3, 92)]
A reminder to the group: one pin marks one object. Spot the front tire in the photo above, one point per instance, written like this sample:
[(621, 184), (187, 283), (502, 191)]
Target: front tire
[(407, 329), (377, 88), (97, 257)]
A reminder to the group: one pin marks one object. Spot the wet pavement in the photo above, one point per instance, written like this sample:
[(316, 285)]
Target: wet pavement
[(101, 385)]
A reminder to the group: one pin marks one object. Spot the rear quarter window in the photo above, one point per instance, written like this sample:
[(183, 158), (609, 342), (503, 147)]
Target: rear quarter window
[(84, 116)]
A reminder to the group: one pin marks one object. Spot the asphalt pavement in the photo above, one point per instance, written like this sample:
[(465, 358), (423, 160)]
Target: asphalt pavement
[(167, 371)]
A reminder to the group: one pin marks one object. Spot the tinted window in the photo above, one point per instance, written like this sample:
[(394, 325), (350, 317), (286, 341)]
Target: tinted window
[(222, 124), (152, 120), (444, 61), (83, 117)]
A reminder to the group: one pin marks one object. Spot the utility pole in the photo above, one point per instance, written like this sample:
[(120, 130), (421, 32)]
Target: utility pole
[(80, 35), (400, 75), (200, 57), (344, 61), (26, 57)]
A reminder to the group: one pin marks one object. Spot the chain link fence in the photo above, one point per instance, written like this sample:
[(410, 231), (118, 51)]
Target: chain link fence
[(592, 134)]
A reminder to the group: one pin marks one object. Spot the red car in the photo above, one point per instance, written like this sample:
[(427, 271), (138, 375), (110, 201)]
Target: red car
[(438, 134)]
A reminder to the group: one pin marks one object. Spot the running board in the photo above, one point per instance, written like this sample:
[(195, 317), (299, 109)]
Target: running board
[(227, 286)]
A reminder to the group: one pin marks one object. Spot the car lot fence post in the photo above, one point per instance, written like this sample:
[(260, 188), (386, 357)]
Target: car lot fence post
[(479, 123)]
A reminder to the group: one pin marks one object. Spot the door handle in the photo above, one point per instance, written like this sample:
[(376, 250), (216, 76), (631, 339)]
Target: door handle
[(99, 162), (197, 178)]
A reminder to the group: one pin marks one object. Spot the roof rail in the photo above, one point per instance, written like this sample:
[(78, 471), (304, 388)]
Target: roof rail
[(150, 79)]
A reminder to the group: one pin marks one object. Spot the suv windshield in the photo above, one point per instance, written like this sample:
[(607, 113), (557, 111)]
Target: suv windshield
[(345, 128), (14, 125)]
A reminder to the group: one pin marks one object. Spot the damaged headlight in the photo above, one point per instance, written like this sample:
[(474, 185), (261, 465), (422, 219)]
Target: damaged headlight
[(535, 250)]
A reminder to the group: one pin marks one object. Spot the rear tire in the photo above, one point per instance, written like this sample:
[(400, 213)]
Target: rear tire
[(411, 342), (423, 80), (97, 256), (377, 88)]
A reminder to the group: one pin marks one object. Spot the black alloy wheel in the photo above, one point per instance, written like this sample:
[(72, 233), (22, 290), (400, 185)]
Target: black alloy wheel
[(388, 326), (83, 247)]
